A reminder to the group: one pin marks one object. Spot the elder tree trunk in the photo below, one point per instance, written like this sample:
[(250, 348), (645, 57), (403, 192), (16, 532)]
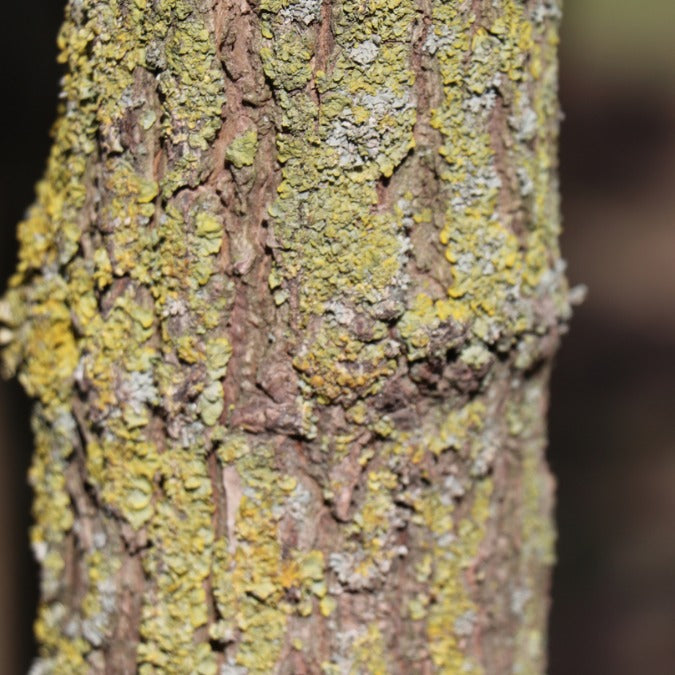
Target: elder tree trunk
[(286, 301)]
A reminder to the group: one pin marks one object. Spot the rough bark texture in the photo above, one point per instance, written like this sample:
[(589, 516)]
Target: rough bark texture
[(286, 302)]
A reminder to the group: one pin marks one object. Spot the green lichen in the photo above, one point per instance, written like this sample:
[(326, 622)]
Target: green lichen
[(370, 653), (537, 534), (180, 561), (251, 577), (451, 617), (496, 270), (122, 321), (457, 431), (102, 594), (338, 367), (334, 149), (241, 152), (192, 86)]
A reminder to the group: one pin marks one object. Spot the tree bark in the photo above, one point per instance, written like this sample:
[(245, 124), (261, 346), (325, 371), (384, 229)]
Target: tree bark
[(287, 301)]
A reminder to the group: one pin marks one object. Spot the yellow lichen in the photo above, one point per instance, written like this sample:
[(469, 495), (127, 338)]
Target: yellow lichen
[(449, 587), (493, 268), (250, 576)]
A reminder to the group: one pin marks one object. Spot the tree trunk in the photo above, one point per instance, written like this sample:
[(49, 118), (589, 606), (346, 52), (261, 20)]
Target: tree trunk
[(287, 300)]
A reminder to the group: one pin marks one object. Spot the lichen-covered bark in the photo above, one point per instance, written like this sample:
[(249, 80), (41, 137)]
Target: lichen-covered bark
[(286, 301)]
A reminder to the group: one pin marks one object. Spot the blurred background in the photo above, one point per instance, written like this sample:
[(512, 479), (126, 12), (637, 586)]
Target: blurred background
[(612, 416), (612, 420)]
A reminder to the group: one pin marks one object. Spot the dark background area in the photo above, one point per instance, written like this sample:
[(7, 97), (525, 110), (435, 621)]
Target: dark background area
[(612, 417), (612, 420)]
